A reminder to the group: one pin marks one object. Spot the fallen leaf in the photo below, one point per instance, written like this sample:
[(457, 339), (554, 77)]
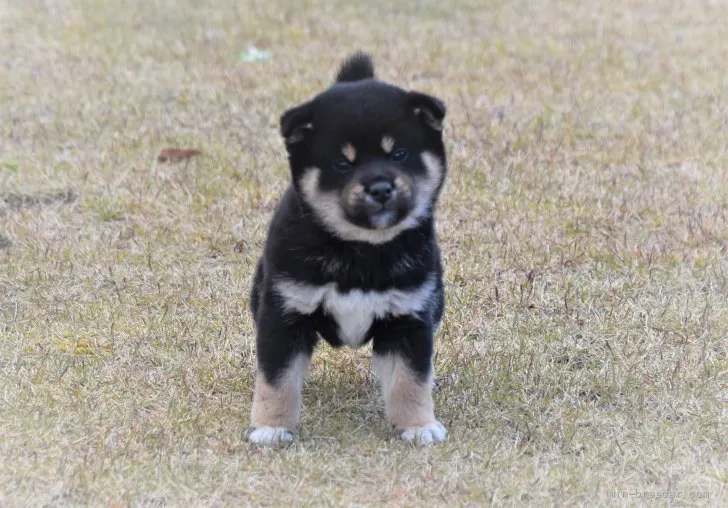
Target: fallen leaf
[(177, 154), (240, 246)]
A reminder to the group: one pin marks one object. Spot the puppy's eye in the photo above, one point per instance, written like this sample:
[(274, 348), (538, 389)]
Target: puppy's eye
[(399, 155), (342, 165)]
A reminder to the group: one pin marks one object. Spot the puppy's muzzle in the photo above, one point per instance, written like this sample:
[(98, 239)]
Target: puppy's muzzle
[(381, 191), (378, 197)]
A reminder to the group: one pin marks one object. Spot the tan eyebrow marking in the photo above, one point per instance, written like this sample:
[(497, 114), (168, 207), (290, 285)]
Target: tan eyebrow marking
[(387, 143), (349, 152)]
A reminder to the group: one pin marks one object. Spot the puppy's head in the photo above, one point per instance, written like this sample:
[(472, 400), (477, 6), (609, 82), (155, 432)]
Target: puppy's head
[(366, 156)]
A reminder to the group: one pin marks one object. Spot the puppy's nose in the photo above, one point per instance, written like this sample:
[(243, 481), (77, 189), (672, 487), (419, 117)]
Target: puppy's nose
[(381, 191)]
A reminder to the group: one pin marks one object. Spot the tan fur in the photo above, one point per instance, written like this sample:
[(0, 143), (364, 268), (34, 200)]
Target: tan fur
[(354, 194), (298, 134), (328, 208), (403, 184), (387, 144), (408, 400), (430, 119), (349, 152), (280, 405)]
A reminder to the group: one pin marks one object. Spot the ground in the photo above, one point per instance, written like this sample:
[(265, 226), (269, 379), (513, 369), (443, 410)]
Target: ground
[(584, 354)]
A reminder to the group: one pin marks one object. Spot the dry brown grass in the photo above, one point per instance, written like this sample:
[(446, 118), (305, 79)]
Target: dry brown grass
[(584, 229)]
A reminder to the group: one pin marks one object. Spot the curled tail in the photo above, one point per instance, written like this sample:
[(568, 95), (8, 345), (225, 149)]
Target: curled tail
[(357, 67)]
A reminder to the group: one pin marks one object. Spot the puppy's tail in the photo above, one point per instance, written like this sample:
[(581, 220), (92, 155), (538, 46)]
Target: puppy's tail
[(357, 67)]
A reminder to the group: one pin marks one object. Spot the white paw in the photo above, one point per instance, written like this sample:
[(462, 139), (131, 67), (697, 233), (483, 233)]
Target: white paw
[(432, 433), (270, 436)]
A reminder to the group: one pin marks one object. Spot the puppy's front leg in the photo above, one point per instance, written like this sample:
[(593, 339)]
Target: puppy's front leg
[(284, 348), (402, 361)]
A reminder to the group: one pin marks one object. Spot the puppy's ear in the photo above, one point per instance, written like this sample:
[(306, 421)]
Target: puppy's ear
[(430, 109), (296, 122)]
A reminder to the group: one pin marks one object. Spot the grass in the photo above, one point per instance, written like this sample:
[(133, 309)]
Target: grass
[(584, 355)]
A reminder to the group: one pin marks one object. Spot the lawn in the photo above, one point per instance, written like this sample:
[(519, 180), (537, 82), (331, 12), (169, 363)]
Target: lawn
[(583, 358)]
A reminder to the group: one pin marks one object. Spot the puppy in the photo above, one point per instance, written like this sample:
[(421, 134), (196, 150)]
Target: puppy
[(351, 254)]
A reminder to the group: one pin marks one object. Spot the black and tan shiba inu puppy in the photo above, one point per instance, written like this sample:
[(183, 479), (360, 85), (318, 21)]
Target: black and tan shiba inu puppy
[(351, 254)]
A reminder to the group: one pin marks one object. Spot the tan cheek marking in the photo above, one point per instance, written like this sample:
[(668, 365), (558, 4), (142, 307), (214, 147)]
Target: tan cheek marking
[(434, 168), (326, 204), (349, 152), (355, 194), (279, 406), (387, 144), (403, 186), (408, 401)]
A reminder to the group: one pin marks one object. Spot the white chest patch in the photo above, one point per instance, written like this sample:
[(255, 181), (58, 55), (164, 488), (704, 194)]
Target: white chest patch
[(354, 311)]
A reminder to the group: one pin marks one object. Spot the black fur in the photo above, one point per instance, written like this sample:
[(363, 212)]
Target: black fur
[(355, 68), (300, 247)]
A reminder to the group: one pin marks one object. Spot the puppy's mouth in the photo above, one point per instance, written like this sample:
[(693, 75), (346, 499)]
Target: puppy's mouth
[(383, 217)]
